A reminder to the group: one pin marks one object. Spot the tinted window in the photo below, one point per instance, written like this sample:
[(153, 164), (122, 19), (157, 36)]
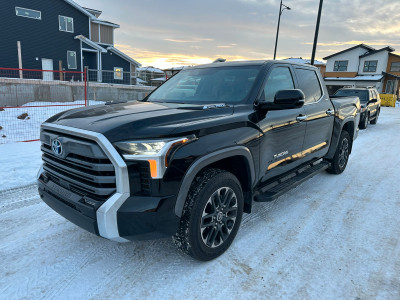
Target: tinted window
[(309, 84), (208, 85), (280, 78), (362, 94)]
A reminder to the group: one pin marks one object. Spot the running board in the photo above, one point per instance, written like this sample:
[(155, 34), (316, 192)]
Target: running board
[(290, 180)]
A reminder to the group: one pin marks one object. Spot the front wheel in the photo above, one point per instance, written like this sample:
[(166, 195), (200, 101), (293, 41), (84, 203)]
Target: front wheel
[(341, 157), (211, 216), (374, 121)]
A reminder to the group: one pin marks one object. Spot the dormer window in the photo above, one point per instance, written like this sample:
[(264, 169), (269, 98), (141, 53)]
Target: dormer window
[(340, 65), (66, 24)]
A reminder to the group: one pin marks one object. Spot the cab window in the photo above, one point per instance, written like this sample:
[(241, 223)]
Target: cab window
[(309, 84), (280, 78)]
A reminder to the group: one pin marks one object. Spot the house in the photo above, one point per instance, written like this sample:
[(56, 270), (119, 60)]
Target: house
[(152, 76), (319, 64), (61, 35), (362, 66)]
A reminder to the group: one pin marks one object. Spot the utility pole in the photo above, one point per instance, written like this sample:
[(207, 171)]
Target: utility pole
[(279, 22), (316, 32)]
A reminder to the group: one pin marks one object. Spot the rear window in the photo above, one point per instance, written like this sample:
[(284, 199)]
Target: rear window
[(309, 84), (362, 94)]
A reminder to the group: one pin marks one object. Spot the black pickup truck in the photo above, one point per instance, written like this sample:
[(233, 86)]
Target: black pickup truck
[(194, 155)]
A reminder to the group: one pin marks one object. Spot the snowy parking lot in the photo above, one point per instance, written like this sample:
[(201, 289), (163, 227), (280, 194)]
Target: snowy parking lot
[(333, 237)]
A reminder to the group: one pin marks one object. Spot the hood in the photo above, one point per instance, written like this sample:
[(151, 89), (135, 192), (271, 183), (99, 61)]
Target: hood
[(142, 120)]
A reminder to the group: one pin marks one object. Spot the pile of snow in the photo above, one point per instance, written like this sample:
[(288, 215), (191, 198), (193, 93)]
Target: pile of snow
[(23, 123), (303, 61), (150, 69)]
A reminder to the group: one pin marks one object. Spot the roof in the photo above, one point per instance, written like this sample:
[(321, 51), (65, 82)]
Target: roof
[(123, 55), (366, 47), (303, 61), (357, 78), (391, 75), (94, 12), (80, 8), (90, 43), (389, 49), (107, 23), (151, 70), (92, 16)]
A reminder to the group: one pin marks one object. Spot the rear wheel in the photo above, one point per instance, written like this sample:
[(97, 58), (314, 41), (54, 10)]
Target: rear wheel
[(339, 161), (364, 122), (374, 121), (211, 216)]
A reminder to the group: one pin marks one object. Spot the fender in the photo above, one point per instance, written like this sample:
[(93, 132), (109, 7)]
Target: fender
[(206, 160), (337, 130)]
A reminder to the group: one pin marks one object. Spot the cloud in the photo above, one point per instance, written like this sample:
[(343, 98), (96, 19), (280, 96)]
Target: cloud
[(179, 31)]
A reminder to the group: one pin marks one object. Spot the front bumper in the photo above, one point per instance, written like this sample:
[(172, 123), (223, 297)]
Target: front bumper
[(121, 217)]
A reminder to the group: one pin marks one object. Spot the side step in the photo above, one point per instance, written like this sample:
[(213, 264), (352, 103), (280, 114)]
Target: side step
[(277, 187)]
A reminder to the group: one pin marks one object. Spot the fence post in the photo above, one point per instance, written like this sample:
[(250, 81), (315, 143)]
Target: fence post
[(85, 80)]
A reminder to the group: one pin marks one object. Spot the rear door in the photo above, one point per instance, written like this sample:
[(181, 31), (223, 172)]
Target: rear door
[(319, 112), (283, 130)]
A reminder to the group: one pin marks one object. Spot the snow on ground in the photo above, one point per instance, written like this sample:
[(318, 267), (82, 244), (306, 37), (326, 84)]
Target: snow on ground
[(19, 164), (13, 129), (333, 237)]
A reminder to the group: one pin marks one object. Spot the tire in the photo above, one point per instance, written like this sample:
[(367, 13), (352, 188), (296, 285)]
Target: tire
[(208, 225), (374, 121), (341, 157), (364, 123)]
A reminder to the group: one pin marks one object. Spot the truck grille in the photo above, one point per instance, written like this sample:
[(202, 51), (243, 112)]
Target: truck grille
[(82, 168)]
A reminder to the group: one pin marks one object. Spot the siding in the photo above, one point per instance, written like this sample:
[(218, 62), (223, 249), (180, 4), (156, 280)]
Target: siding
[(40, 38), (111, 61), (94, 32), (106, 34)]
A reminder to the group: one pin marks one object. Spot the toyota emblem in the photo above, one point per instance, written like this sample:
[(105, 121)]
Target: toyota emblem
[(56, 146)]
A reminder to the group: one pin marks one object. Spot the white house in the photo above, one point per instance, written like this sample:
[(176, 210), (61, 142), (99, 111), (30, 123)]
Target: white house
[(362, 66)]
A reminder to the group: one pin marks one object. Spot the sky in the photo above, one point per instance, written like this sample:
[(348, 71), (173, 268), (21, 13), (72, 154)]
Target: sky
[(173, 33)]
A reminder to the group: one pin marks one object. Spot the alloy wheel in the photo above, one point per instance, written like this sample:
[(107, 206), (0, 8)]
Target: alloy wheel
[(343, 153), (218, 217)]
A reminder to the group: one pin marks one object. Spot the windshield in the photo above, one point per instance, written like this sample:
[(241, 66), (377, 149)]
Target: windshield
[(208, 85), (363, 95)]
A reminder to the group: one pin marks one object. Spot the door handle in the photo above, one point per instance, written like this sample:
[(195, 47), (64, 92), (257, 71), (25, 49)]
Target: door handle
[(301, 118), (330, 112)]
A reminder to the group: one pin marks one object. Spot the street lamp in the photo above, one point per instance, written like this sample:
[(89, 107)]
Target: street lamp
[(279, 21)]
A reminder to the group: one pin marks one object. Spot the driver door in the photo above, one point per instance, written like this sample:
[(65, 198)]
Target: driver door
[(283, 135)]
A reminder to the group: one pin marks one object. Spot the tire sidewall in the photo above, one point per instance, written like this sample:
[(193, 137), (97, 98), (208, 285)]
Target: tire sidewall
[(343, 136), (199, 249)]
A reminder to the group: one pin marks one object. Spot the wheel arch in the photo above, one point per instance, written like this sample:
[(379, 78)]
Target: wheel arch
[(339, 126), (237, 160)]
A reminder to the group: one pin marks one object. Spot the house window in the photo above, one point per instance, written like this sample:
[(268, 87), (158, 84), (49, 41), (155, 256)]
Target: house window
[(340, 65), (66, 24), (71, 59), (28, 13), (370, 65), (118, 73), (395, 66)]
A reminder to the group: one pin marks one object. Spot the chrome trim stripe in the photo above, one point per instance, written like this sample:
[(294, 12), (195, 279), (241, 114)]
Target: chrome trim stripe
[(107, 213)]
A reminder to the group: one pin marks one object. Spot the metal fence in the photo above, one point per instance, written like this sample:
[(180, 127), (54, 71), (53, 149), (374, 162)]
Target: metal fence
[(118, 76), (29, 97)]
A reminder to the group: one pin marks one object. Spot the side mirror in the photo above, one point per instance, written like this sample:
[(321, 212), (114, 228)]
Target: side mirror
[(285, 99), (373, 100)]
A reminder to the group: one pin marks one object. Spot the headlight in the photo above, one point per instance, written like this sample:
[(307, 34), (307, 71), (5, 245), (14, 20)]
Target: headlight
[(156, 152), (141, 148)]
